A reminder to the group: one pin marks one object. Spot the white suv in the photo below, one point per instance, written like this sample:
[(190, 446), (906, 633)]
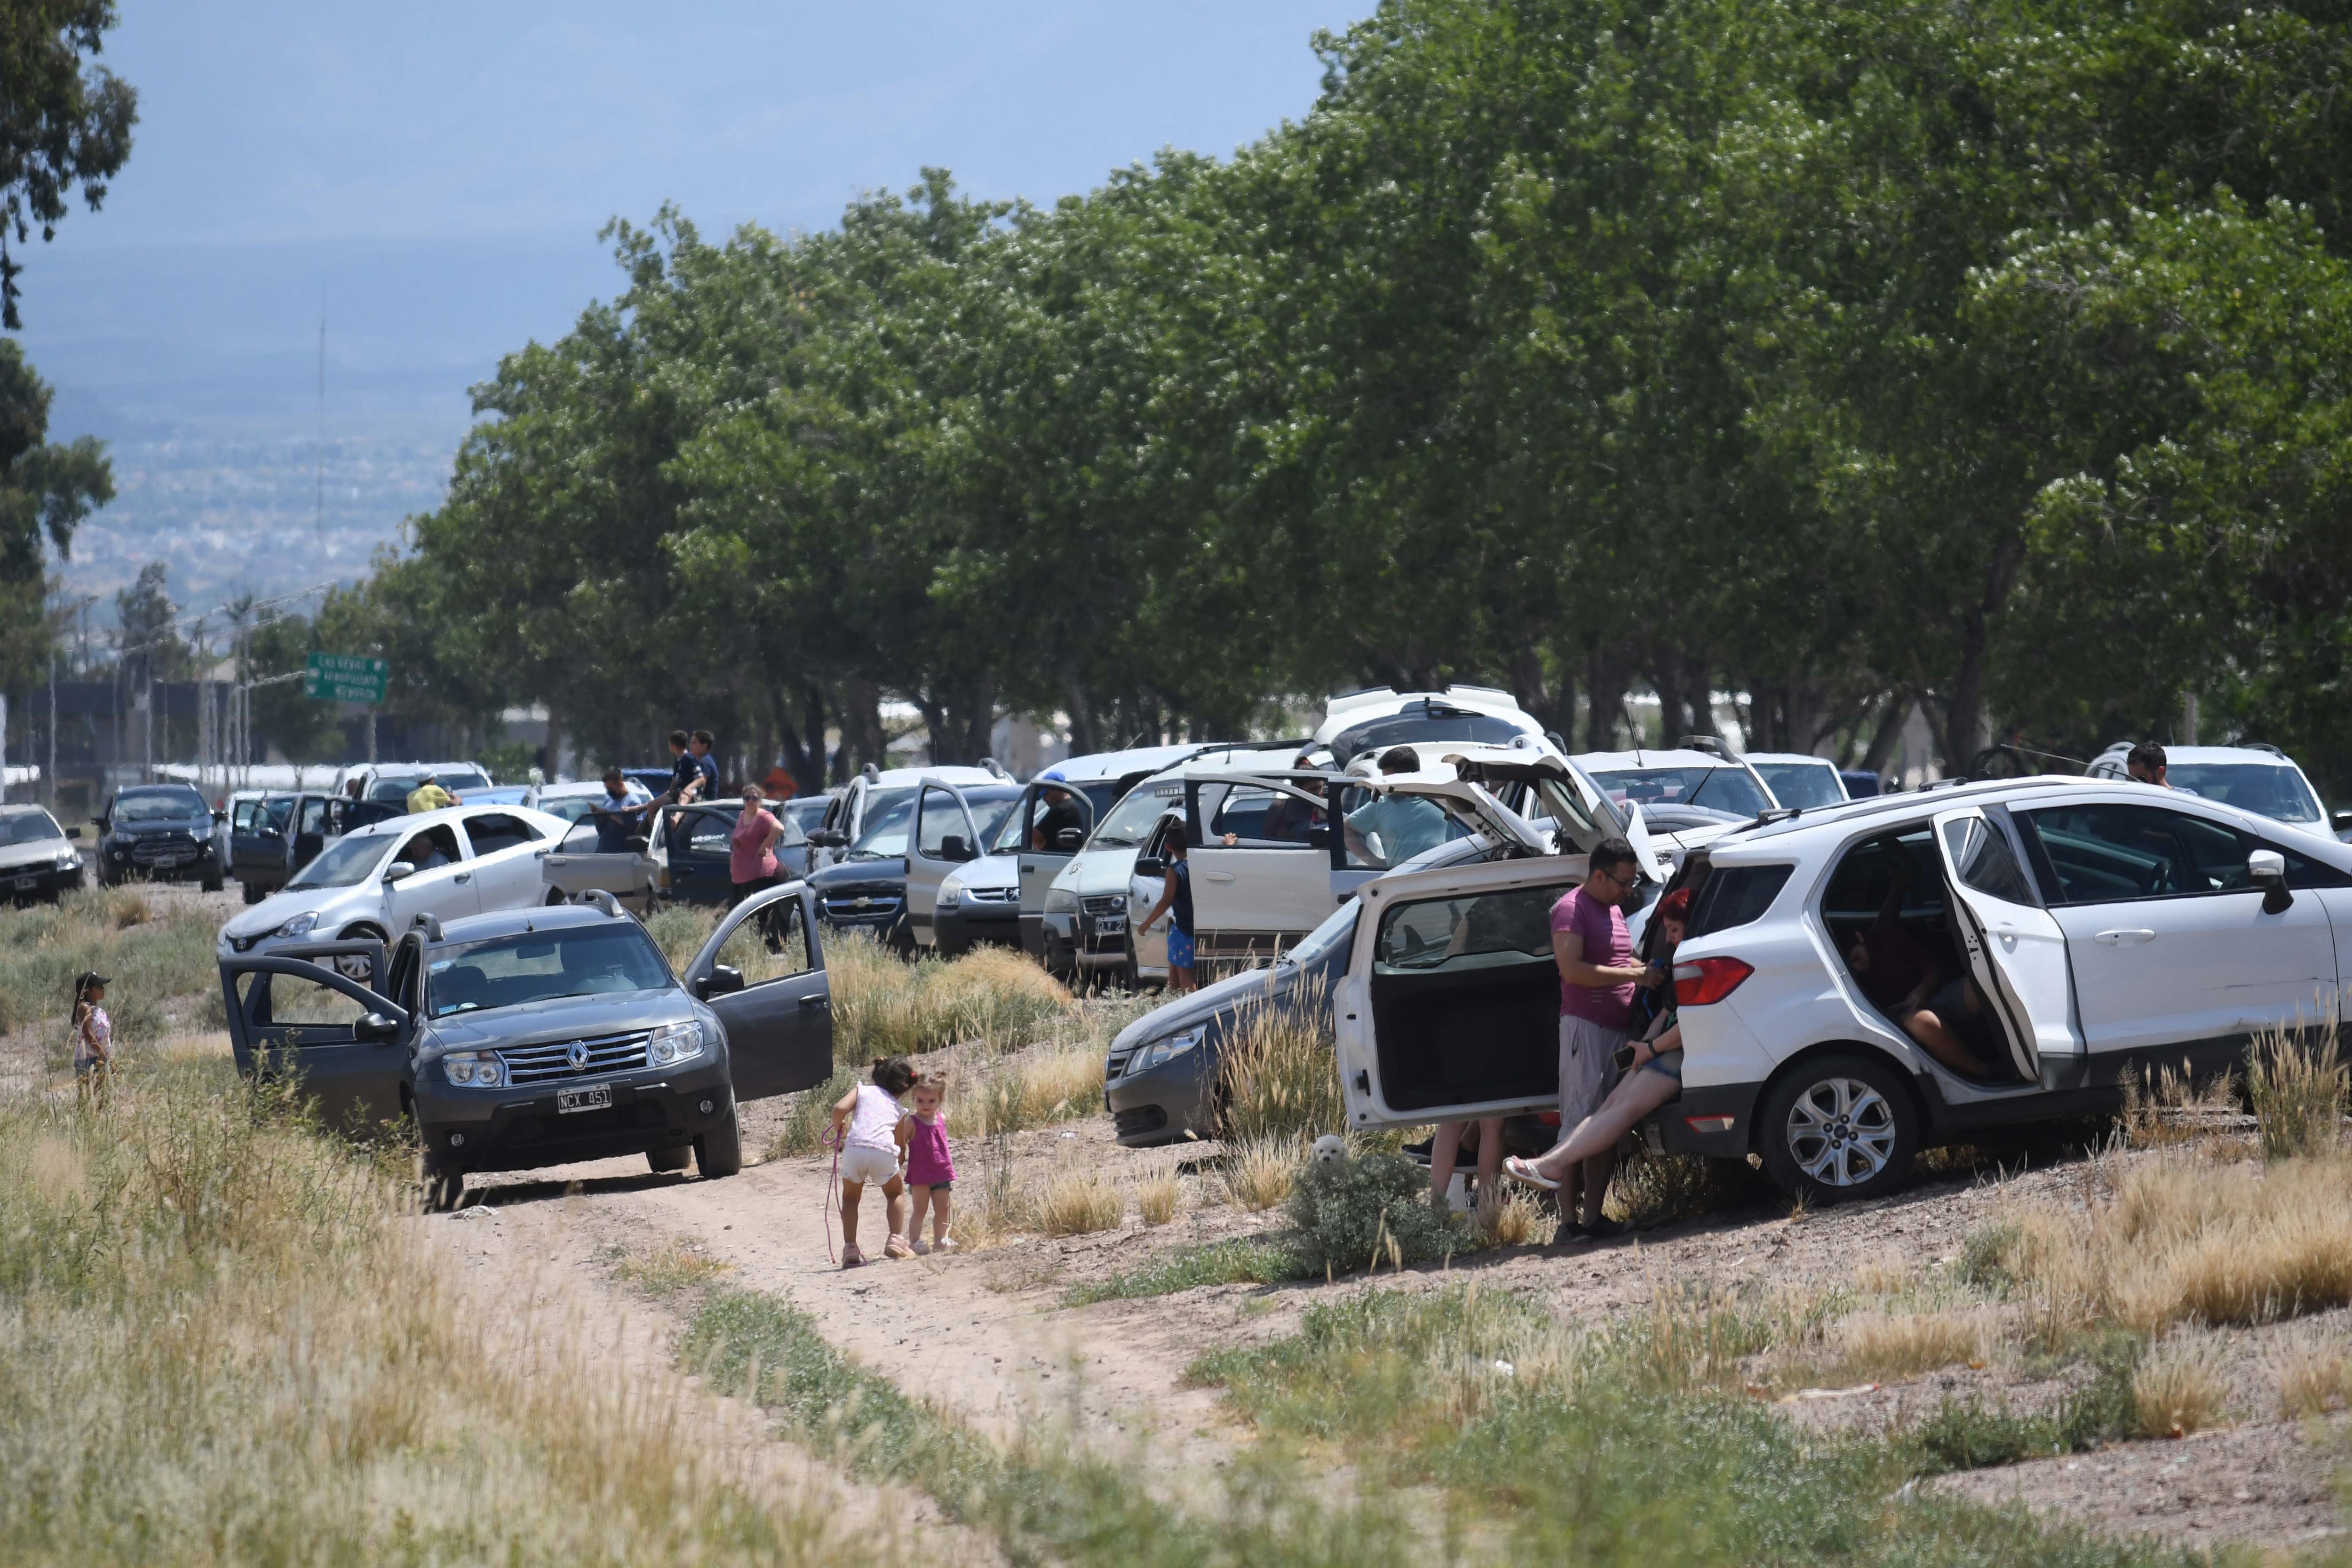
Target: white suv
[(2259, 779), (2110, 927)]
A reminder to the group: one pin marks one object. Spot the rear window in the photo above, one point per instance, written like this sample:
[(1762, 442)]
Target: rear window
[(1735, 896)]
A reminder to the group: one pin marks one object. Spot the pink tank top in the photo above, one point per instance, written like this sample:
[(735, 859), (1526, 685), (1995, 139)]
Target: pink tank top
[(928, 1161)]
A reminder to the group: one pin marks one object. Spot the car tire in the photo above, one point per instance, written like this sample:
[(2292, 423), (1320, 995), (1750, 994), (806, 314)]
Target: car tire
[(666, 1160), (443, 1185), (1839, 1129), (720, 1152)]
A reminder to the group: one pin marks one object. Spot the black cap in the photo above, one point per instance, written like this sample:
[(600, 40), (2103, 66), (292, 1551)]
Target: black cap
[(90, 977)]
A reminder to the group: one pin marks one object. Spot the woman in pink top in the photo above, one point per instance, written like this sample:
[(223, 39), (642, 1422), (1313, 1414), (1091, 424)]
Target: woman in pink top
[(751, 847)]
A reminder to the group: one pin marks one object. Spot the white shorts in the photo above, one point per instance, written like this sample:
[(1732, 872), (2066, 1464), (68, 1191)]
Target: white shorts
[(864, 1164), (1586, 1067)]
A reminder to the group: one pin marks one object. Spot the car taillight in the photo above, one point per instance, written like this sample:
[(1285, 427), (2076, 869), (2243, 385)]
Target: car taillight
[(1705, 980)]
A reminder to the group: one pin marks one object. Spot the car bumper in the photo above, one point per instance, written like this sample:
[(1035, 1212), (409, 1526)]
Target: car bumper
[(1171, 1103), (31, 881), (962, 926), (204, 864), (521, 1130), (1715, 1120), (1086, 941)]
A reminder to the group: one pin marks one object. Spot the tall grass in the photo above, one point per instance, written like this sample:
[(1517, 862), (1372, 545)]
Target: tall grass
[(886, 1007), (157, 955), (219, 1343), (1279, 1072), (2296, 1083)]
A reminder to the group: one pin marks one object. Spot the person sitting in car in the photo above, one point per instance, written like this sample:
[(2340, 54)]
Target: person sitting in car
[(619, 816), (1290, 820), (1061, 815), (1391, 829), (1936, 1006)]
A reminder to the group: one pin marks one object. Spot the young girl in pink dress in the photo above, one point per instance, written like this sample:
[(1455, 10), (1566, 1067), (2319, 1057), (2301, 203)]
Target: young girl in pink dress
[(930, 1169)]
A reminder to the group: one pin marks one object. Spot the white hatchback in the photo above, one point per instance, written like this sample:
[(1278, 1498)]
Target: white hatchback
[(2104, 930)]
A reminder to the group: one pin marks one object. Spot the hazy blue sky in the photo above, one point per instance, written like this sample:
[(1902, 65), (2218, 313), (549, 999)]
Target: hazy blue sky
[(433, 176)]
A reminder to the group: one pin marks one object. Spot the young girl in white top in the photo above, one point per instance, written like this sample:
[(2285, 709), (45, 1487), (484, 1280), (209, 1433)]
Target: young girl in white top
[(870, 1128), (93, 1036)]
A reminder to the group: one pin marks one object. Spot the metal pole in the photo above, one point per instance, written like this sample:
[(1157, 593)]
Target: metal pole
[(50, 778)]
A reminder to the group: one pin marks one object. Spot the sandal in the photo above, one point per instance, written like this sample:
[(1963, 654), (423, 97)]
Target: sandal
[(851, 1257), (947, 1244), (897, 1247), (1521, 1169)]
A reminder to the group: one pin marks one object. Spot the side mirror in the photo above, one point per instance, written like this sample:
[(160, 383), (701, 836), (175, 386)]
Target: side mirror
[(2344, 817), (639, 843), (2266, 869), (374, 1026), (1319, 836), (73, 833), (1151, 866), (1070, 838), (722, 979), (398, 869)]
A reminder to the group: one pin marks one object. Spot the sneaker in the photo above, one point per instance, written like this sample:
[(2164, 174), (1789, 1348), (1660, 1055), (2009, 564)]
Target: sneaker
[(947, 1244), (1604, 1229), (897, 1247), (851, 1257), (922, 1246)]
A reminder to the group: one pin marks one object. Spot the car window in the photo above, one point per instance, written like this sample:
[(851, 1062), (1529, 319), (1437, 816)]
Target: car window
[(707, 832), (1257, 817), (499, 830), (768, 945), (30, 827), (1130, 821), (1984, 861), (2109, 854), (1378, 831), (569, 807), (580, 840), (292, 999), (1734, 895), (1801, 784), (944, 834), (1720, 789), (510, 971), (1858, 889), (458, 780), (1416, 727), (437, 845), (277, 812), (394, 790), (1490, 931), (886, 827), (346, 863), (240, 817), (2267, 789), (314, 816), (164, 806)]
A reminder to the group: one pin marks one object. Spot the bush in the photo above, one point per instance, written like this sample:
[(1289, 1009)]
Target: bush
[(1363, 1213), (2297, 1088), (1280, 1071)]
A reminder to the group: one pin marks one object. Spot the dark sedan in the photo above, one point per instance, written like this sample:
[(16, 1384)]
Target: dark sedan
[(163, 832)]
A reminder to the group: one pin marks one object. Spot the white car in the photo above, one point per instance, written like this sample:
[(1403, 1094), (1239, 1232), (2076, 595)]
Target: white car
[(1799, 781), (2259, 779), (396, 782), (1682, 780), (1361, 721), (372, 883), (2112, 928), (848, 812)]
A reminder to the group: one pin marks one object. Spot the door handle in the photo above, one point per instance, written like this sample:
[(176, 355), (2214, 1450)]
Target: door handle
[(817, 1001), (463, 876), (2123, 938), (1218, 876)]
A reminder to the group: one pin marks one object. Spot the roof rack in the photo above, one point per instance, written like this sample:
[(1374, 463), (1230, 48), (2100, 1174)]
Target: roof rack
[(604, 899), (2264, 746), (1711, 744)]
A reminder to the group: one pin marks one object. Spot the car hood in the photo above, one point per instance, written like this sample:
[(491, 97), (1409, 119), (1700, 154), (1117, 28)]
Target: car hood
[(41, 852), (855, 873), (562, 1019), (991, 871), (282, 906), (1098, 871), (1175, 1017)]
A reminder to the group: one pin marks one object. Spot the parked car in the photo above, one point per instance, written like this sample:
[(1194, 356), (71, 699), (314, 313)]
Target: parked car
[(2256, 778), (1709, 780), (163, 832), (273, 837), (1800, 780), (1068, 798), (1509, 804), (527, 1039), (396, 782), (889, 882), (689, 850), (571, 801), (848, 812), (38, 857), (1358, 722), (2112, 931), (1860, 783), (376, 881), (805, 812)]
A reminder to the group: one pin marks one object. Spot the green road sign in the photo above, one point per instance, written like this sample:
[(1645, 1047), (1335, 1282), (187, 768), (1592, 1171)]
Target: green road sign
[(345, 678)]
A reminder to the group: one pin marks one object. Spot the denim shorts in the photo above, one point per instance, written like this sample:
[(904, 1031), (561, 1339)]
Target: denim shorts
[(1179, 948), (1669, 1065)]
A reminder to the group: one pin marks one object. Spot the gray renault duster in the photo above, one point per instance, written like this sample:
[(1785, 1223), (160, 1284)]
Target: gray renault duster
[(541, 1036)]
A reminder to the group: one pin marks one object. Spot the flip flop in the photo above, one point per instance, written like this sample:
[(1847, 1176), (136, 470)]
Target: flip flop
[(1524, 1170)]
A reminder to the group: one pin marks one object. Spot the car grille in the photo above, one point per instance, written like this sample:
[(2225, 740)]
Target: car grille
[(1115, 1066), (171, 848), (1113, 904), (541, 1064), (862, 906), (991, 895), (1139, 1120)]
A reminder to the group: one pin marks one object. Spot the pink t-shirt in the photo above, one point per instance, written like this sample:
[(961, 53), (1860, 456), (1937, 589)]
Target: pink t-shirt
[(746, 861), (1606, 943)]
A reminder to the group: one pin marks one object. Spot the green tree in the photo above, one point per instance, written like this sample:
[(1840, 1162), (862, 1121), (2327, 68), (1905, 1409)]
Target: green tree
[(63, 121)]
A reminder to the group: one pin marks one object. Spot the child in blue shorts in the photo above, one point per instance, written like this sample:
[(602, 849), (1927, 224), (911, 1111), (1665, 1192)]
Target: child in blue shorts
[(1176, 903)]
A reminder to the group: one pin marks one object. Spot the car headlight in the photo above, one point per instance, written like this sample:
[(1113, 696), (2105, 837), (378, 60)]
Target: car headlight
[(299, 924), (674, 1042), (950, 892), (67, 860), (481, 1070), (1061, 902), (1158, 1053)]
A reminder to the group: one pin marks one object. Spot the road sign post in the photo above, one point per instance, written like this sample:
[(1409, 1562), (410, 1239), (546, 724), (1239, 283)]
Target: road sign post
[(346, 678)]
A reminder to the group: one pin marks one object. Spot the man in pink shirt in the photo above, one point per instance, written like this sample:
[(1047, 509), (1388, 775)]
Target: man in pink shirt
[(1597, 977)]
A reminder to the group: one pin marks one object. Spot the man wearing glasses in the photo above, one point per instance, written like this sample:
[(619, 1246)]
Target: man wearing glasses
[(1597, 977)]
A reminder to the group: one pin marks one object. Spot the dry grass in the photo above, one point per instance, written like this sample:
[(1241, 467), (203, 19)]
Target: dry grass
[(2179, 1388), (159, 955), (2171, 1107), (674, 1265), (2179, 1240), (886, 1007), (1052, 1082), (1078, 1201), (2296, 1085), (1893, 1345), (1157, 1197), (1514, 1219), (2314, 1376), (222, 1342), (1280, 1074), (1258, 1171)]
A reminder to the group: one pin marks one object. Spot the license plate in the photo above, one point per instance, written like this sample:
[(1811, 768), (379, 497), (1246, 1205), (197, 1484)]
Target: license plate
[(26, 884), (1110, 925), (594, 1097)]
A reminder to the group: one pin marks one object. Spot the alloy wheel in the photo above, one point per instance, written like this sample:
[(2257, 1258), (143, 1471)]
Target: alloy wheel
[(1841, 1132)]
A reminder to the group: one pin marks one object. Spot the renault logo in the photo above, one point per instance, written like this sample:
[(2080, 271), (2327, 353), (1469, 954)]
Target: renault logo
[(577, 1056)]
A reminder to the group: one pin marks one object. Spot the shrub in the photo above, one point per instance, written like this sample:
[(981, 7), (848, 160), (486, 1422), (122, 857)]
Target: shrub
[(2179, 1388), (1157, 1197), (1051, 1083), (1280, 1073), (1258, 1171), (2297, 1087), (1363, 1212), (1078, 1201)]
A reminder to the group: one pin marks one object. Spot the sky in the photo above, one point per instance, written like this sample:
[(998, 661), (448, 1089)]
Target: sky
[(430, 179)]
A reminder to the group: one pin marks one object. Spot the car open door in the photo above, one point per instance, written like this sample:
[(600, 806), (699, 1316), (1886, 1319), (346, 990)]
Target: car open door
[(576, 864), (2016, 953), (946, 835), (1042, 860), (1260, 879), (300, 1011), (258, 852), (506, 847), (1449, 1007), (762, 972), (699, 863)]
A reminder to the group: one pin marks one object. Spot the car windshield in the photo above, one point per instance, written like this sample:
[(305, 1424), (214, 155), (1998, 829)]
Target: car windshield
[(1801, 784), (2268, 789), (162, 806), (1723, 789), (540, 966), (346, 863), (888, 814), (805, 812), (29, 827), (1130, 822)]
